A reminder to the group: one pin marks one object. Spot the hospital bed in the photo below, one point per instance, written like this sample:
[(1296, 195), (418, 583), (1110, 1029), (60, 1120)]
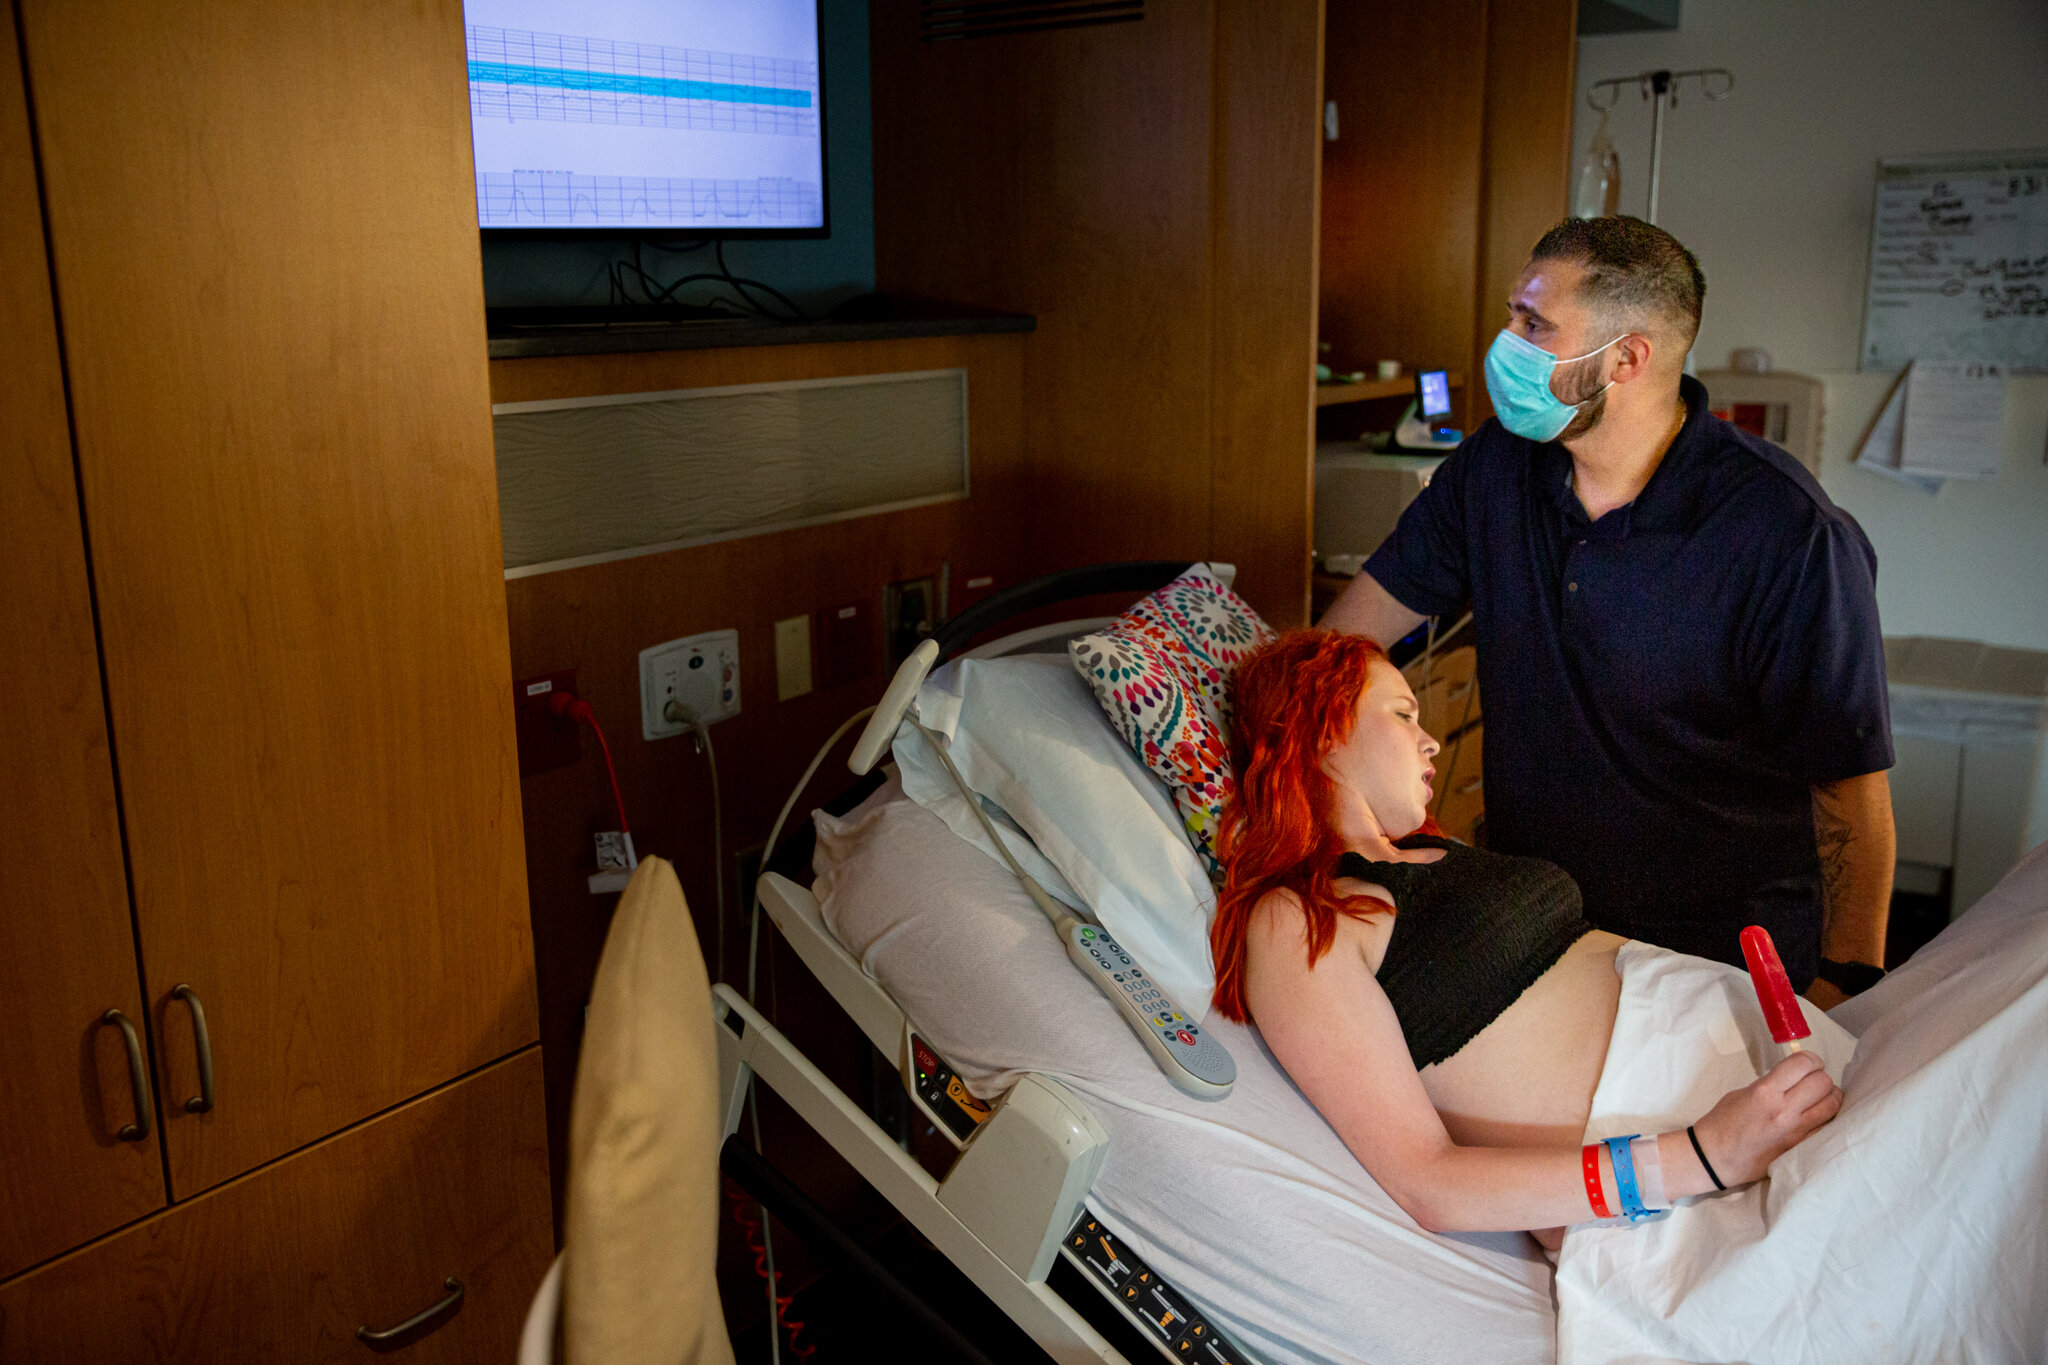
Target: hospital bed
[(1243, 1229), (1016, 1197), (1022, 1196)]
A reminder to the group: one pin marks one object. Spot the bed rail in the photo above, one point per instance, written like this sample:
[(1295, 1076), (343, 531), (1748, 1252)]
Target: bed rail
[(961, 1221), (1135, 576), (795, 913)]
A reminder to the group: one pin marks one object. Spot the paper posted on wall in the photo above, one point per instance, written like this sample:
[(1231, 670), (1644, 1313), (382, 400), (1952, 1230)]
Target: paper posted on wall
[(1939, 422)]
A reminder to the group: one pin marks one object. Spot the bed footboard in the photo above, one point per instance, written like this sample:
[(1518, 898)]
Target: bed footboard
[(1025, 1212)]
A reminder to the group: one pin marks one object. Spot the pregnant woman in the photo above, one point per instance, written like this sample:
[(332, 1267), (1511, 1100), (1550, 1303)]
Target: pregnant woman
[(1448, 1010)]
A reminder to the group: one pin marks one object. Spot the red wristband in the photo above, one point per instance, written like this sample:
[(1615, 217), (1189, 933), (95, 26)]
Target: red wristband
[(1589, 1157)]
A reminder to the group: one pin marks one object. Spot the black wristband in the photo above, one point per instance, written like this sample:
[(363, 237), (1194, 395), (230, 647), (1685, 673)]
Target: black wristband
[(1850, 978), (1701, 1153)]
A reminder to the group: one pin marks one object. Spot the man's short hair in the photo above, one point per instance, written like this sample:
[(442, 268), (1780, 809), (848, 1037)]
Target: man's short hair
[(1634, 271)]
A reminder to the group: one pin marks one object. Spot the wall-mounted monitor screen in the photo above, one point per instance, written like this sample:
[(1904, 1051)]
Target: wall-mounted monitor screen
[(685, 117), (1433, 392)]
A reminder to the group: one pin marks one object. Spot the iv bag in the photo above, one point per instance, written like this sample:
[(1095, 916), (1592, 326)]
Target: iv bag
[(1596, 181)]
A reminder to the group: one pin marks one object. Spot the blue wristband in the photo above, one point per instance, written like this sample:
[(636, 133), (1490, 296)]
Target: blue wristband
[(1625, 1178)]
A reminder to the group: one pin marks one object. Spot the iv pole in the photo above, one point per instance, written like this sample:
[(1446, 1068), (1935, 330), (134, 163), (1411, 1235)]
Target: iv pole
[(1716, 83)]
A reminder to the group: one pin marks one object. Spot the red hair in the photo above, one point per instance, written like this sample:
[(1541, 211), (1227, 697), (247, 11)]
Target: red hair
[(1296, 699)]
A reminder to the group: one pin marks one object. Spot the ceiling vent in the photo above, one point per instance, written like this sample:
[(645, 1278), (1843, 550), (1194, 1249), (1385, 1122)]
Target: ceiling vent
[(949, 20)]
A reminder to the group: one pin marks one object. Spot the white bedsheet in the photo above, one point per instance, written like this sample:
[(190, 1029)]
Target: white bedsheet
[(1912, 1228), (1251, 1205)]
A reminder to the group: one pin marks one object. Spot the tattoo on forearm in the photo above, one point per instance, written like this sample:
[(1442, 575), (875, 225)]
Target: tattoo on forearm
[(1832, 837)]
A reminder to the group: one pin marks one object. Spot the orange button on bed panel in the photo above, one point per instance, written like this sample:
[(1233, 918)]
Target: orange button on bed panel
[(960, 1095)]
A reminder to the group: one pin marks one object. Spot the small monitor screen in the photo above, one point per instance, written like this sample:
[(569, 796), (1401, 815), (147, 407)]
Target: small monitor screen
[(681, 116), (1433, 388)]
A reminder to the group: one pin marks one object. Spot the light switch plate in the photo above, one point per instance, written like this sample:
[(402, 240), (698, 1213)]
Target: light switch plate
[(792, 657), (700, 671)]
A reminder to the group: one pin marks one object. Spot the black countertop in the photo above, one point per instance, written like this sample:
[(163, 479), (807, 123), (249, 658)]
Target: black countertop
[(869, 320)]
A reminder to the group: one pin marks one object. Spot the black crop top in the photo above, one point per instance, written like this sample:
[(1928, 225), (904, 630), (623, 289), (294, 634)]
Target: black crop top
[(1472, 931)]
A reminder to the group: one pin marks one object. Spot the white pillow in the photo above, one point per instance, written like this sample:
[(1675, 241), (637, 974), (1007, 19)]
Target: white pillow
[(1027, 734)]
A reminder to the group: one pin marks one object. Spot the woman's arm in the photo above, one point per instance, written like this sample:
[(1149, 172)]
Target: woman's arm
[(1333, 1029)]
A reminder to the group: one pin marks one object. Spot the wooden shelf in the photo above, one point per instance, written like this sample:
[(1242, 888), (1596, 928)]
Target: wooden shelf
[(508, 342), (1328, 394)]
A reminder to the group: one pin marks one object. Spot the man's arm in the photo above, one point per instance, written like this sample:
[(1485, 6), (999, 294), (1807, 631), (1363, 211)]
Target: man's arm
[(1365, 608), (1858, 848)]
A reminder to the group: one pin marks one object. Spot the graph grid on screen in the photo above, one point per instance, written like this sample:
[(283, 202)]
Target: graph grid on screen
[(573, 131), (563, 78), (561, 197)]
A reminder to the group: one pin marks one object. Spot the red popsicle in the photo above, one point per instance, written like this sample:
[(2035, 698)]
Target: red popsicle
[(1774, 988)]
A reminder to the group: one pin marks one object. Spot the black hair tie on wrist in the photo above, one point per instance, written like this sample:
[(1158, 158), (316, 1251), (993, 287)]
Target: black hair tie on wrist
[(1701, 1153), (1850, 978)]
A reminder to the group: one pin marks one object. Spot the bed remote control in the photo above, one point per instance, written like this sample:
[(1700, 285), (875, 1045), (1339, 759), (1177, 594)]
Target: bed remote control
[(1192, 1060)]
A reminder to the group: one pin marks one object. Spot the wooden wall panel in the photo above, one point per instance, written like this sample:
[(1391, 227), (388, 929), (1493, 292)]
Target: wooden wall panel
[(1401, 185), (1068, 175), (67, 948), (598, 618), (265, 243), (1532, 50), (1267, 148), (286, 1264)]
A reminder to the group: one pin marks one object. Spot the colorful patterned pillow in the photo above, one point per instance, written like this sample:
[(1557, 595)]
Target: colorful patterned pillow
[(1162, 673)]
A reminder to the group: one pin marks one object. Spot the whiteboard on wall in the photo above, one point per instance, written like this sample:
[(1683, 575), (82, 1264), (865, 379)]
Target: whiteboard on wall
[(1959, 262)]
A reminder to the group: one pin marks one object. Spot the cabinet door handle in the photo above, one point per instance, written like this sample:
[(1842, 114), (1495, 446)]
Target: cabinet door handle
[(391, 1338), (203, 1101), (138, 1078)]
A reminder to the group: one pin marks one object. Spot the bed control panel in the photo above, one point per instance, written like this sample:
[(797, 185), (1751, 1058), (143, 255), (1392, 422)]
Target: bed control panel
[(1192, 1059), (1148, 1301), (938, 1091)]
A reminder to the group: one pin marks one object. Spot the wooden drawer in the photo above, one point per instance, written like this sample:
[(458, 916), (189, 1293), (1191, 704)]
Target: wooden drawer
[(1449, 695), (285, 1263), (1462, 792)]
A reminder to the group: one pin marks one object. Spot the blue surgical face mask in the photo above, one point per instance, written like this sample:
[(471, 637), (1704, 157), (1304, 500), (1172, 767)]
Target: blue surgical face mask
[(1518, 380)]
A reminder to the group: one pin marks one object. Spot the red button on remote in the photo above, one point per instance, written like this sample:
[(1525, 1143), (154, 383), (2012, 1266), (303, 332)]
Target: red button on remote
[(1186, 1037)]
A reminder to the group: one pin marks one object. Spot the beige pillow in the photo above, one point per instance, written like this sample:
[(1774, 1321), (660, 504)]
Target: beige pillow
[(639, 1272)]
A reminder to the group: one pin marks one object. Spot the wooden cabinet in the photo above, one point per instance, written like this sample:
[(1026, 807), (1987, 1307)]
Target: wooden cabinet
[(1148, 192), (67, 952), (1447, 692), (262, 226), (363, 1230), (1462, 799), (259, 769), (1453, 158), (1447, 696)]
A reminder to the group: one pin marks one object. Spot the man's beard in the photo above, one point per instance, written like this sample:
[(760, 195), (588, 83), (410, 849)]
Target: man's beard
[(1592, 406)]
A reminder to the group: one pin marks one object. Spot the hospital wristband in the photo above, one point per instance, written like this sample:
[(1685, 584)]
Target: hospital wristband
[(1625, 1178), (1649, 1164), (1589, 1158)]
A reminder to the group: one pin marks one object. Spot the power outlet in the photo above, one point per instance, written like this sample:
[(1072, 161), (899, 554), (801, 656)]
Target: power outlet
[(909, 614), (546, 741), (700, 672)]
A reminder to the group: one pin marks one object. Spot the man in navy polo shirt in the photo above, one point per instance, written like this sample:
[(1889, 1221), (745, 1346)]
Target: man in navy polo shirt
[(1677, 630)]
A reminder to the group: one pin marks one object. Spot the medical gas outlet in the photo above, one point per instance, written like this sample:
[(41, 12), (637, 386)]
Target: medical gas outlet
[(700, 674)]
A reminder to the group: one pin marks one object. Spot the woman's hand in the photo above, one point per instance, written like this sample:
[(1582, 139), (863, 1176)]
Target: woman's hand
[(1751, 1127)]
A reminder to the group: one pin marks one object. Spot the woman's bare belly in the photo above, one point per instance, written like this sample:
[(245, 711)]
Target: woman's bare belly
[(1527, 1080)]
